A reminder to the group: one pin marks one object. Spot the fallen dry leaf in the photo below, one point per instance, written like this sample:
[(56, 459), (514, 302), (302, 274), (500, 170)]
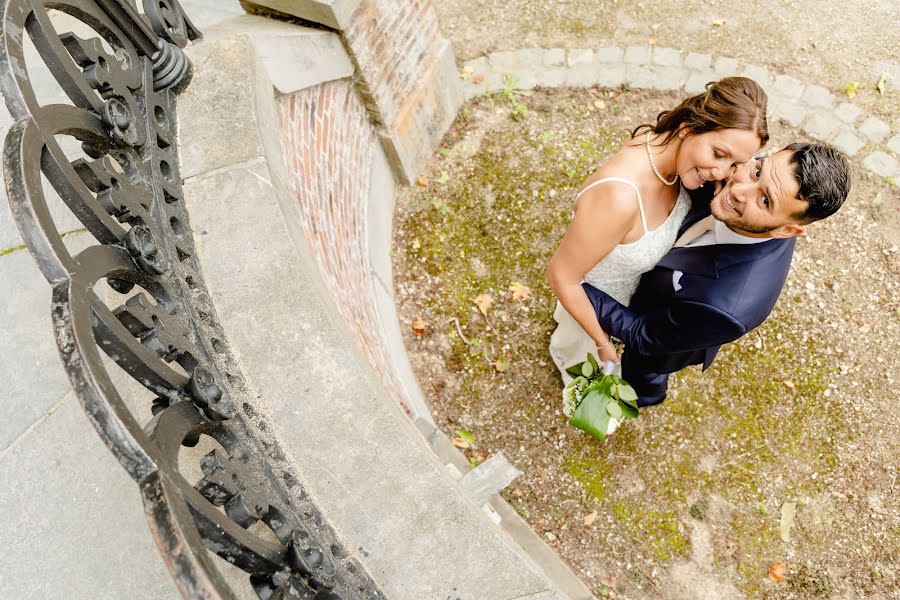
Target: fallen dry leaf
[(484, 302), (776, 572), (418, 327), (519, 291), (465, 73), (422, 182), (789, 384), (479, 78), (851, 89), (882, 84), (459, 442), (589, 520), (612, 581), (652, 40), (501, 365), (539, 522)]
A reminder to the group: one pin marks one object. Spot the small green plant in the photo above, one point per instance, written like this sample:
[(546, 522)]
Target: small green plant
[(511, 94), (518, 111)]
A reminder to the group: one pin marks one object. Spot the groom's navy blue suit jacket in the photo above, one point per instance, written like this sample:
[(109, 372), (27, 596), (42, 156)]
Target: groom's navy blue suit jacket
[(725, 291)]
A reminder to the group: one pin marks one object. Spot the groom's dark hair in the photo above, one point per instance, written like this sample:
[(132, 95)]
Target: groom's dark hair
[(823, 173)]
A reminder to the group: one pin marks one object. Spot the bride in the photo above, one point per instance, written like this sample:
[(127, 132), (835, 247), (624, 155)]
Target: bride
[(628, 212)]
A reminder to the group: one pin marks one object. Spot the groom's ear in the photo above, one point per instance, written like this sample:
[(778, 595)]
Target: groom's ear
[(789, 230)]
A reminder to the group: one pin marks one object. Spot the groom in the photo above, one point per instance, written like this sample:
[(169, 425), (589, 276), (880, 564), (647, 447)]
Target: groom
[(727, 268)]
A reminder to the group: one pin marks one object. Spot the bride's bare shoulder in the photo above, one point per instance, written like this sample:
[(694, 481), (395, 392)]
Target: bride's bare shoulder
[(612, 193)]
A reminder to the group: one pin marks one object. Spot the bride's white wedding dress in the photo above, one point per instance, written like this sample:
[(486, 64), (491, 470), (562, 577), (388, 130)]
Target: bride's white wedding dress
[(617, 275)]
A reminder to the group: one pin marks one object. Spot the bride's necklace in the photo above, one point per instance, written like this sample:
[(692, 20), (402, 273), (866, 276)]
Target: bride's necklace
[(653, 165)]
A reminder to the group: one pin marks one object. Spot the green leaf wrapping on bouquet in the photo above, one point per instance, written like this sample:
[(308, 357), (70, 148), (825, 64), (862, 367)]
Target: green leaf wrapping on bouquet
[(629, 411), (591, 415), (613, 409), (626, 393), (587, 369), (574, 370), (593, 362)]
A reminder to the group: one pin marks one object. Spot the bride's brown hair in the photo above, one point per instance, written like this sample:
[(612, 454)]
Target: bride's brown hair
[(730, 103)]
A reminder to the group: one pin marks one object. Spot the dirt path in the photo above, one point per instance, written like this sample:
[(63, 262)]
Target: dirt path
[(687, 501)]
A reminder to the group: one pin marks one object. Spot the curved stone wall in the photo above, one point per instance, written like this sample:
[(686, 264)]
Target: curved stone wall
[(293, 217)]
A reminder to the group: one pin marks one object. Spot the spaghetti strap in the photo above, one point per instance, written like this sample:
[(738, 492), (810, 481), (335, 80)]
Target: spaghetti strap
[(625, 181)]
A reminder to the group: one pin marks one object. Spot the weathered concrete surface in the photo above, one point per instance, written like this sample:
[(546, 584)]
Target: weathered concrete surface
[(74, 525)]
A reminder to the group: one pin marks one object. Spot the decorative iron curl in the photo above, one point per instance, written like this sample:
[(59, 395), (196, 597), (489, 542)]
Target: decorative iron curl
[(162, 330)]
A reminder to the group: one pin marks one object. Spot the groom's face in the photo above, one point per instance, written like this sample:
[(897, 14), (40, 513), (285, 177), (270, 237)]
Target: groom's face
[(761, 199)]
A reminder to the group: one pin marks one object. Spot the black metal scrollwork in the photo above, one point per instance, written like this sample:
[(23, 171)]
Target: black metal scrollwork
[(162, 333)]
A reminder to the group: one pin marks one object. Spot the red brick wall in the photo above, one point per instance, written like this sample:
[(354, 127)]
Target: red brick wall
[(393, 43), (328, 143)]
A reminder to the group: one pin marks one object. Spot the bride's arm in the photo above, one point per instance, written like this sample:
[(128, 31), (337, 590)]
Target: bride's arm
[(603, 217)]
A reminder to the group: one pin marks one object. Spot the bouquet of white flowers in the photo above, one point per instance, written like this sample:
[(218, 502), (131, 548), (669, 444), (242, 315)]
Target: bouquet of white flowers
[(596, 400)]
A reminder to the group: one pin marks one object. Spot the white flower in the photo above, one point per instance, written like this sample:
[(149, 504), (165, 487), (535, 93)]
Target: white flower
[(613, 425), (570, 398)]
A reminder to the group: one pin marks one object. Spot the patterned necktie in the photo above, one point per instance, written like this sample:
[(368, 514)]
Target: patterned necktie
[(695, 231)]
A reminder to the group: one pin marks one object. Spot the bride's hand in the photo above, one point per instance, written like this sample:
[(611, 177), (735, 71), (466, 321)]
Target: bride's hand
[(607, 351)]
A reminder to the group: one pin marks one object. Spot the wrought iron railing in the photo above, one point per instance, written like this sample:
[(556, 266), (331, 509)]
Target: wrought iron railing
[(247, 507)]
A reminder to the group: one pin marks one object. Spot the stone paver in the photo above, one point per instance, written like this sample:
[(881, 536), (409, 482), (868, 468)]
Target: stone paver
[(699, 62), (820, 124), (787, 87), (696, 82), (848, 142), (847, 112), (609, 55), (637, 55), (577, 57), (758, 74), (894, 144), (612, 75), (640, 76), (790, 111), (881, 164), (669, 78), (555, 57), (726, 67), (667, 57), (875, 129), (817, 96), (584, 75)]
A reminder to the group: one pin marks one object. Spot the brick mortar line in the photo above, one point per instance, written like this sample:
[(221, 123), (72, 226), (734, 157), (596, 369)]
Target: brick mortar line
[(817, 111)]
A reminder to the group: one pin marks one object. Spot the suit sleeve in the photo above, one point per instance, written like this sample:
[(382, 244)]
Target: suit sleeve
[(679, 327)]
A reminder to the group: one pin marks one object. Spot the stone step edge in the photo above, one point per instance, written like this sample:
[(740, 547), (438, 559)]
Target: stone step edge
[(816, 110)]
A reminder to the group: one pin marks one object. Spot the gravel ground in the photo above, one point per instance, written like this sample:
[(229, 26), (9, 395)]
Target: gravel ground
[(687, 501), (829, 43)]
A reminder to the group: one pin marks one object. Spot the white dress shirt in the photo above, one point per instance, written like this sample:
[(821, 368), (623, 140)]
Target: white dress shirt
[(723, 235)]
